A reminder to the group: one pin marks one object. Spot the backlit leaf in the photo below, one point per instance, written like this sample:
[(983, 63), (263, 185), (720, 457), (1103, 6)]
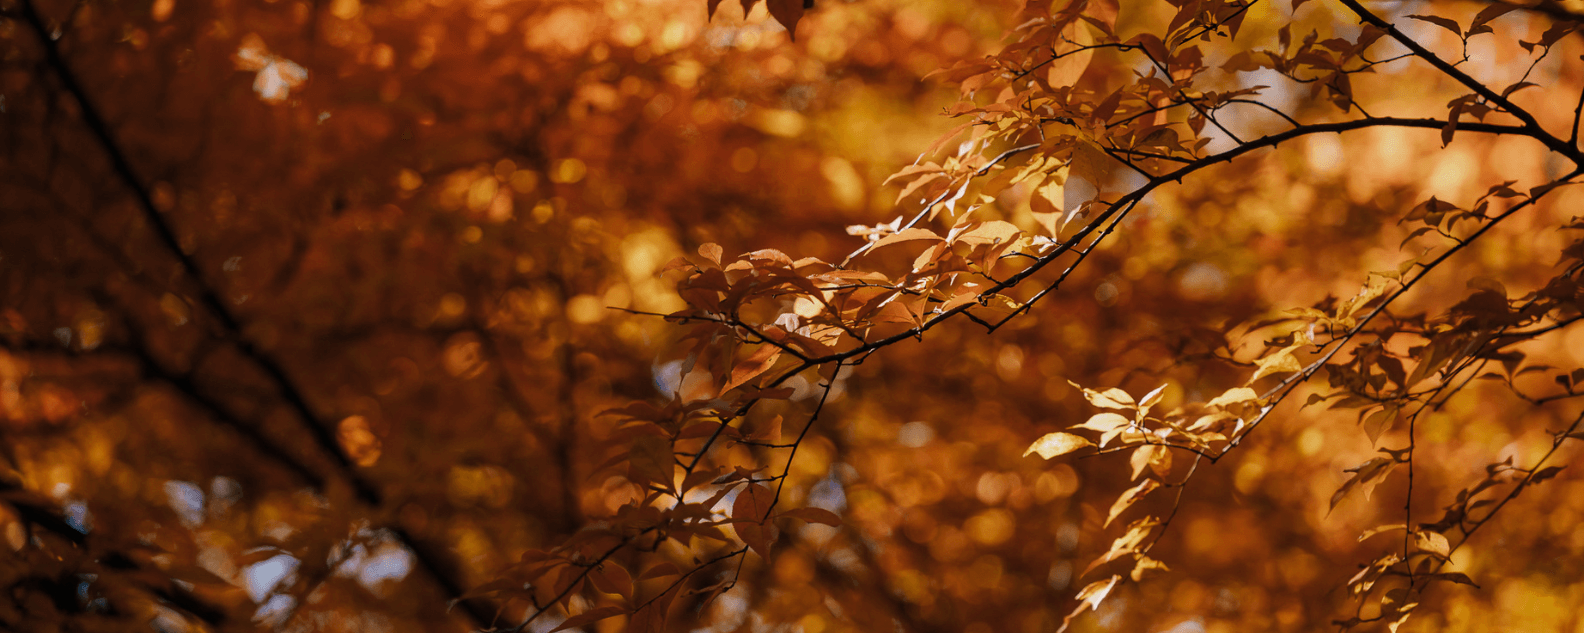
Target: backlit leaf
[(1104, 422), (589, 617), (756, 364), (1445, 23), (1057, 444), (1130, 497), (1432, 543)]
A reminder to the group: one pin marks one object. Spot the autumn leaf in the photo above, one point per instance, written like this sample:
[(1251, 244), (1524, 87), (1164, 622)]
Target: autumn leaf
[(1128, 544), (1104, 422), (612, 578), (1090, 597), (1109, 399), (750, 510), (1365, 475), (788, 13), (752, 367), (906, 235), (1445, 23), (1233, 396), (711, 251), (652, 616), (1147, 567), (1381, 530), (1454, 577), (651, 462), (1545, 473), (1151, 399), (1432, 543), (1130, 497), (1153, 458), (381, 310), (589, 617), (1057, 444), (1281, 362)]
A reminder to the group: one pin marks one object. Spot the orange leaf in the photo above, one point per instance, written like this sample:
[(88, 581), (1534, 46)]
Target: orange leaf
[(652, 617), (753, 503), (712, 252), (750, 509), (651, 462), (589, 617), (771, 432), (612, 578), (787, 12), (1445, 23), (758, 363)]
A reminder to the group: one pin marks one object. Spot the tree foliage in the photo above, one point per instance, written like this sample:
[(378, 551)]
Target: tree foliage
[(1194, 315)]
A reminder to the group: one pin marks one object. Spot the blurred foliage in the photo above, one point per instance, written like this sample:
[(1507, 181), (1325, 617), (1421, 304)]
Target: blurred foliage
[(426, 315)]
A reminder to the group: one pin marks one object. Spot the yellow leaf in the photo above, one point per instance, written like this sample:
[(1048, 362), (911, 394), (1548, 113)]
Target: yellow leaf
[(1090, 598), (1433, 543), (1127, 544), (1280, 362), (1147, 566), (1155, 457), (992, 232), (1112, 398), (1380, 530), (1104, 422), (1150, 399), (1233, 396), (1056, 444), (906, 235), (1129, 498), (1046, 205)]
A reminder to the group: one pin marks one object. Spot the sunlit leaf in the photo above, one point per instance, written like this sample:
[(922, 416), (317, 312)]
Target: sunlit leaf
[(1104, 422), (1432, 543), (1057, 444), (1445, 23), (1381, 530), (1233, 396), (1090, 597), (1130, 497), (1146, 568)]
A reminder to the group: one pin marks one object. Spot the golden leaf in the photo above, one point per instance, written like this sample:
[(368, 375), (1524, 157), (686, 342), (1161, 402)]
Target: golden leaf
[(1057, 444)]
